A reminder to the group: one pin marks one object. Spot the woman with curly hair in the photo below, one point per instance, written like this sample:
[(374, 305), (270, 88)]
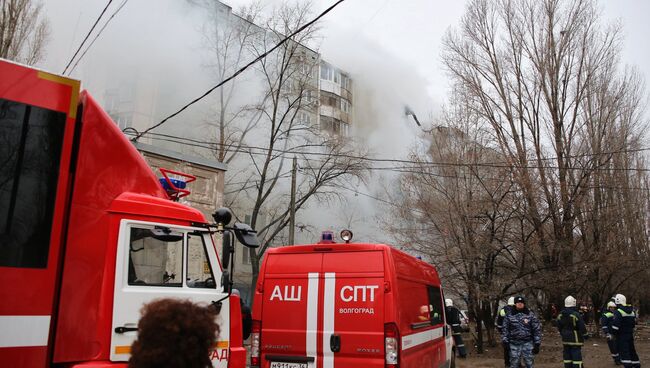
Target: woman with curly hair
[(174, 333)]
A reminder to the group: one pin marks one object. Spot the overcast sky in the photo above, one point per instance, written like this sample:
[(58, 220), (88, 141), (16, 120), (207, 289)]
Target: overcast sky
[(412, 30), (409, 30)]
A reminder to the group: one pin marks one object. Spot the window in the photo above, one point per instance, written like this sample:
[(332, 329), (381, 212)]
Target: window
[(334, 126), (155, 257), (245, 255), (304, 118), (326, 72), (345, 82), (345, 106), (306, 68), (435, 302), (329, 99), (199, 271), (31, 140), (337, 77)]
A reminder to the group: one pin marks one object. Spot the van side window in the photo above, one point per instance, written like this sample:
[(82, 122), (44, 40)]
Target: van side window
[(155, 257), (414, 304), (435, 302)]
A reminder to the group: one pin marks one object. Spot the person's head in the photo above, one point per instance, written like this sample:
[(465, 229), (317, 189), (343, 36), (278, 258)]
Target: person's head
[(611, 306), (174, 333), (520, 302), (620, 299), (570, 302), (449, 302), (511, 301)]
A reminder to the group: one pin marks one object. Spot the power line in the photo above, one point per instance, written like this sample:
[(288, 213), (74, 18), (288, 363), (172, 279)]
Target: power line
[(265, 54), (98, 34), (398, 169), (415, 164), (87, 35)]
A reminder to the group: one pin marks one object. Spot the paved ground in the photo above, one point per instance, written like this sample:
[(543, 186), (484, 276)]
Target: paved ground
[(595, 352)]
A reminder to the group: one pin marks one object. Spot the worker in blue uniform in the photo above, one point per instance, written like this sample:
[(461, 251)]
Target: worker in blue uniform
[(573, 332), (606, 320), (623, 328)]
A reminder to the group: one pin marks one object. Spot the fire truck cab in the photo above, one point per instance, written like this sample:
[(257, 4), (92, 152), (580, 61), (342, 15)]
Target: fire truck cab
[(88, 234), (348, 305)]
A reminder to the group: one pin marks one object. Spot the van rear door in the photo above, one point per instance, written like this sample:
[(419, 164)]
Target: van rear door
[(290, 323), (353, 311)]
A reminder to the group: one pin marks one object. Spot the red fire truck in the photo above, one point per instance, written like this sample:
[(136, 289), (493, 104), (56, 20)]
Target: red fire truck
[(88, 234), (332, 305)]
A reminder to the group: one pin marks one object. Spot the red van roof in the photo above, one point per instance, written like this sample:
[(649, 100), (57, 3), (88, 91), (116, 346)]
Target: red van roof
[(406, 266)]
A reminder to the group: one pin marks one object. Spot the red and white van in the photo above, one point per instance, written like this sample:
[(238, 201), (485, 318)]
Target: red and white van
[(348, 305)]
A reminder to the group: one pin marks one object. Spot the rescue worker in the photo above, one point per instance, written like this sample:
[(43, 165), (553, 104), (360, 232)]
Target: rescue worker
[(606, 320), (523, 332), (453, 319), (503, 312), (573, 332), (623, 329)]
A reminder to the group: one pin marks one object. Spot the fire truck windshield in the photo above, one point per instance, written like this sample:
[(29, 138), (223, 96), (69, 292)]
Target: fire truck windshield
[(157, 257)]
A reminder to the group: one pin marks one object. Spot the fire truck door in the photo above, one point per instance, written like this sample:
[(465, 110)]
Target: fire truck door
[(177, 263)]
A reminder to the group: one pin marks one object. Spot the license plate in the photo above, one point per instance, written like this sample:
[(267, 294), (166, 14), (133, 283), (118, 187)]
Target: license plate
[(288, 365)]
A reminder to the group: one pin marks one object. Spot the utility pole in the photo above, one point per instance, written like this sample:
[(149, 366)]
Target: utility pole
[(292, 214)]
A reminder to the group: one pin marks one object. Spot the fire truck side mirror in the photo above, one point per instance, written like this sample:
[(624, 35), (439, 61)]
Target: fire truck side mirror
[(226, 249), (246, 235)]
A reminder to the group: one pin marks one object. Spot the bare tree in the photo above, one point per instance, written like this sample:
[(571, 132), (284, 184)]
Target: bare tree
[(532, 70), (535, 182), (23, 31), (228, 37), (461, 213), (279, 124)]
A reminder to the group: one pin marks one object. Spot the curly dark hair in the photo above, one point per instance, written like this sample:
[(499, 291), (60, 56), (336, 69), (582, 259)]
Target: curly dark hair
[(174, 333)]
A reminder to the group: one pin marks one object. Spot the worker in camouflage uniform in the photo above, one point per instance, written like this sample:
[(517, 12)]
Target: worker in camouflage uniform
[(523, 332)]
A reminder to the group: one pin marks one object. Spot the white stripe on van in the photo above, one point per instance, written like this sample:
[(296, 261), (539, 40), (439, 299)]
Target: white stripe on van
[(412, 340), (312, 317), (328, 319)]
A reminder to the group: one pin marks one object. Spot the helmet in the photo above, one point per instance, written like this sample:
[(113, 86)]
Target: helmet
[(611, 305), (520, 299), (570, 301), (511, 300), (449, 302), (619, 299)]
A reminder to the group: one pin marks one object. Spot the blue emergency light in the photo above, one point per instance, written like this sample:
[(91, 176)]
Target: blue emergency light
[(327, 237), (179, 184)]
